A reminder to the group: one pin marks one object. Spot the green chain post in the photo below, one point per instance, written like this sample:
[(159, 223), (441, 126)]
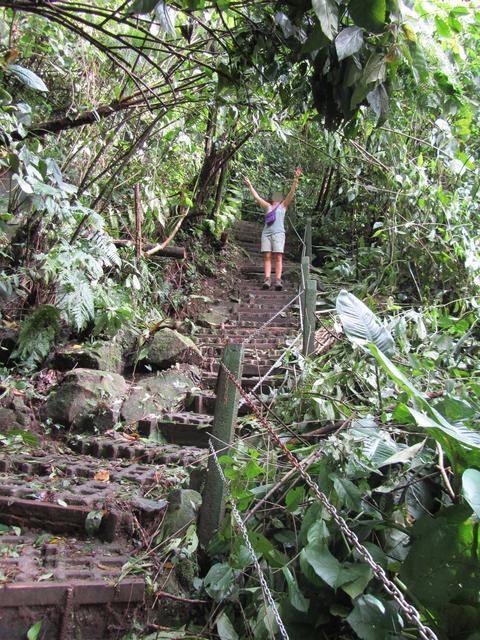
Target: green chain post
[(224, 421)]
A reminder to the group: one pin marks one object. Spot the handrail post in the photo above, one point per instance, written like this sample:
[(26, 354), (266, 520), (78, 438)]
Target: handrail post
[(305, 277), (309, 317), (224, 421), (308, 238)]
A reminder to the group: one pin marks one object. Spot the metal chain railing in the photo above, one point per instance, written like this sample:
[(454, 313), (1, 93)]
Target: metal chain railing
[(258, 330), (238, 519), (411, 614)]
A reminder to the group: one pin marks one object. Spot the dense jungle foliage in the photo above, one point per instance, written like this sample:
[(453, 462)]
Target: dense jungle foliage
[(378, 101)]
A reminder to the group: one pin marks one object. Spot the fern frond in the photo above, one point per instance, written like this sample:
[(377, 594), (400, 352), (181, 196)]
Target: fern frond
[(37, 336), (105, 249)]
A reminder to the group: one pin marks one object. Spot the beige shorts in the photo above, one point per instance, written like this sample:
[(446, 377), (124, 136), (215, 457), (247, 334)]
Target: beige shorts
[(274, 243)]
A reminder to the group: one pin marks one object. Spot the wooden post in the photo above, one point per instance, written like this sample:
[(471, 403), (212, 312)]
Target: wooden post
[(309, 318), (303, 284), (224, 421), (138, 222), (308, 238)]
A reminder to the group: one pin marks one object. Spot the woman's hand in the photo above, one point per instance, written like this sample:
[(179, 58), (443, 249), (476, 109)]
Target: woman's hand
[(246, 181), (298, 172)]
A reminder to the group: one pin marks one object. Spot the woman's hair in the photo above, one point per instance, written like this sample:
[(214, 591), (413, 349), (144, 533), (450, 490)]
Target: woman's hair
[(277, 196)]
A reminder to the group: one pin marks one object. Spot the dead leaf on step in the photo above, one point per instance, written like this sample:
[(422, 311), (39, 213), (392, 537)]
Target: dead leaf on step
[(102, 476)]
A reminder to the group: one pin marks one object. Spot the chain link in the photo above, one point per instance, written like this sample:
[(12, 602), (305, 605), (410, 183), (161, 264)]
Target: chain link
[(411, 614), (238, 519), (277, 362), (257, 331)]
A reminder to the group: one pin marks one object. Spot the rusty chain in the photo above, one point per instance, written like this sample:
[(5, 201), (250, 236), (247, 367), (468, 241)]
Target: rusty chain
[(411, 614), (238, 519)]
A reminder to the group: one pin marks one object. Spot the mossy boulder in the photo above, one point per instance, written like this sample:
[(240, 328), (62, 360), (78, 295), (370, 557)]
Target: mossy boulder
[(86, 400), (169, 347), (183, 508), (102, 356), (164, 391), (215, 316)]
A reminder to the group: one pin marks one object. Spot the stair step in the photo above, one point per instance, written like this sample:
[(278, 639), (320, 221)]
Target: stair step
[(69, 585)]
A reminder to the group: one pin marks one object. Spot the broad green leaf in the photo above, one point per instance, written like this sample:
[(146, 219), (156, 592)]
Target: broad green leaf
[(397, 376), (353, 578), (296, 597), (29, 78), (361, 325), (219, 582), (369, 14), (293, 499), (316, 40), (34, 631), (327, 14), (348, 42), (471, 489), (405, 455), (225, 628), (464, 435), (378, 100), (372, 619), (443, 29), (375, 69), (326, 566)]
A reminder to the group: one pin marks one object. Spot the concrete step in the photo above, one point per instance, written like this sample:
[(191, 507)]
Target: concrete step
[(58, 493), (209, 381), (77, 590)]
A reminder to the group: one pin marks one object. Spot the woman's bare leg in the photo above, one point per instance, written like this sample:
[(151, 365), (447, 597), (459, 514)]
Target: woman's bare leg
[(267, 264), (278, 266)]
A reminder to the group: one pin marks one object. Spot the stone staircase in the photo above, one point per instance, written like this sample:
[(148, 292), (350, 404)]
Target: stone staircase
[(93, 492)]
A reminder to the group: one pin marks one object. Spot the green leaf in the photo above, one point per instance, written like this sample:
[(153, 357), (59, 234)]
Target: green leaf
[(353, 578), (34, 631), (296, 597), (375, 69), (29, 78), (327, 13), (397, 376), (225, 628), (378, 100), (293, 499), (471, 489), (443, 29), (316, 40), (372, 619), (348, 42), (464, 435), (219, 582), (326, 566), (140, 7), (405, 455), (369, 14), (361, 325)]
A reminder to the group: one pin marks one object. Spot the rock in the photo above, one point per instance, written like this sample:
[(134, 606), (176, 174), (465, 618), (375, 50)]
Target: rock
[(215, 316), (86, 399), (169, 347), (102, 356), (155, 394), (14, 414), (183, 508)]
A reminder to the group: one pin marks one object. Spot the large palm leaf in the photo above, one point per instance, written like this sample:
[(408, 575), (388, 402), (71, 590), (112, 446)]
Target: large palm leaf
[(361, 325)]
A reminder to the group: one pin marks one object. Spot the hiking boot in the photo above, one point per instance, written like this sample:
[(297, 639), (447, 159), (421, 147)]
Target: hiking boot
[(278, 285), (266, 284)]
